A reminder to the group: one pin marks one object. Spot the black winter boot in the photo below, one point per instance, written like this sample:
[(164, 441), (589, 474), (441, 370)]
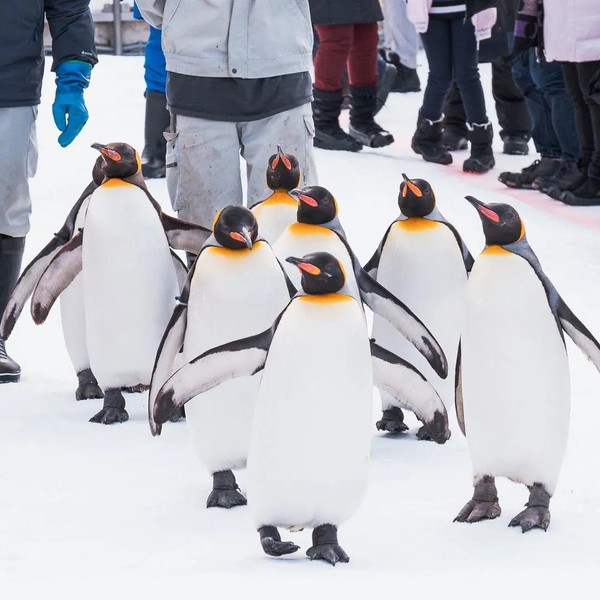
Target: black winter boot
[(407, 79), (11, 255), (482, 157), (587, 194), (156, 123), (326, 113), (567, 176), (427, 141), (363, 128)]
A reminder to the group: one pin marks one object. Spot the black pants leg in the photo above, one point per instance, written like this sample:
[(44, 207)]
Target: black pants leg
[(511, 109)]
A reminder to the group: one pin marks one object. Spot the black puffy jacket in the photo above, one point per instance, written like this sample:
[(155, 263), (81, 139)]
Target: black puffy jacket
[(22, 44), (342, 12)]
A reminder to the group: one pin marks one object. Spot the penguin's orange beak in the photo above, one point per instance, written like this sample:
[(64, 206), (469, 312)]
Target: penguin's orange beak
[(243, 236), (303, 265), (108, 152), (281, 156), (483, 209)]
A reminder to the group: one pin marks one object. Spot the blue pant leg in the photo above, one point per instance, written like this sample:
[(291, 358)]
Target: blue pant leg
[(155, 72)]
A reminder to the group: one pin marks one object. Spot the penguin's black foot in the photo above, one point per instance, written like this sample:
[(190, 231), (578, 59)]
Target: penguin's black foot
[(177, 414), (392, 421), (331, 553), (113, 410), (483, 505), (532, 516), (225, 492), (271, 542), (136, 389), (88, 386), (325, 546), (436, 430), (537, 513)]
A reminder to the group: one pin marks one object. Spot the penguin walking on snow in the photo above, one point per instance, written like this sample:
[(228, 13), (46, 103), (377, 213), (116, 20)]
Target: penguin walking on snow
[(318, 229), (423, 260), (236, 288), (128, 273), (512, 376), (278, 211), (318, 367)]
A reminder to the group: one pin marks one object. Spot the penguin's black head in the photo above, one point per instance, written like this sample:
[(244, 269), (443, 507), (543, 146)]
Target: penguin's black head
[(416, 198), (501, 222), (121, 160), (283, 172), (321, 272), (235, 227), (316, 205)]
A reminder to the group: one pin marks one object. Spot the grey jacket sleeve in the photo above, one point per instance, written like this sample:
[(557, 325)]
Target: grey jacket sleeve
[(152, 11), (72, 30)]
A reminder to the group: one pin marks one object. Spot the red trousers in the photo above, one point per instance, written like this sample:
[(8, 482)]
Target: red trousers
[(341, 46)]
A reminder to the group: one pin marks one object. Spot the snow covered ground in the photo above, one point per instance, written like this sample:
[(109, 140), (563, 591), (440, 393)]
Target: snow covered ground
[(87, 510)]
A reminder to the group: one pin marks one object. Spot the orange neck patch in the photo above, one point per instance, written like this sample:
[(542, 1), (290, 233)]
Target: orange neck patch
[(416, 224), (495, 249), (325, 298), (307, 229), (115, 182)]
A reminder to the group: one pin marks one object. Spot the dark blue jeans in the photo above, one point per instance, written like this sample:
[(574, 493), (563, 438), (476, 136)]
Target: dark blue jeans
[(452, 55), (550, 107)]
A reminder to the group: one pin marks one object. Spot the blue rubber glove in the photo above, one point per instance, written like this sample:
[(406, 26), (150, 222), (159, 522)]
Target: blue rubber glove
[(68, 110)]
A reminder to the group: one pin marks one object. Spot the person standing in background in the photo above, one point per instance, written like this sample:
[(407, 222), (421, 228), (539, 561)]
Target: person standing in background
[(21, 72), (451, 30), (348, 38), (401, 45), (238, 82)]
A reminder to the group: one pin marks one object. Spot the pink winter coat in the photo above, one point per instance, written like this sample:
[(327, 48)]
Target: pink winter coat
[(572, 30), (418, 14)]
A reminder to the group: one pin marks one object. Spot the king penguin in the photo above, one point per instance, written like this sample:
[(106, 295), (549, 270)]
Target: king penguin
[(423, 260), (512, 376), (318, 229), (278, 211), (319, 366), (236, 288), (129, 278)]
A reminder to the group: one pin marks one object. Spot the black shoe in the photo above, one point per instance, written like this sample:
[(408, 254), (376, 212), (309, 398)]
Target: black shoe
[(524, 180), (10, 371), (587, 194), (332, 138), (407, 79), (155, 165), (363, 128), (384, 85), (514, 144), (427, 141), (452, 140), (155, 146), (563, 177), (482, 156), (328, 133)]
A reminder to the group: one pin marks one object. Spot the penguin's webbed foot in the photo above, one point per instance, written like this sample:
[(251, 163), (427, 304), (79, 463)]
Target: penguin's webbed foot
[(113, 410), (87, 391), (225, 499), (225, 492), (392, 421), (110, 415), (532, 516), (271, 543), (537, 513), (435, 430), (483, 505), (325, 546), (477, 510), (331, 553)]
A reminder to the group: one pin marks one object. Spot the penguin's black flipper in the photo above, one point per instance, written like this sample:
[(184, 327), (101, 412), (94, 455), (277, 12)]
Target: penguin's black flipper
[(579, 333), (458, 396), (183, 235), (385, 304), (411, 390), (60, 273), (180, 270), (240, 358)]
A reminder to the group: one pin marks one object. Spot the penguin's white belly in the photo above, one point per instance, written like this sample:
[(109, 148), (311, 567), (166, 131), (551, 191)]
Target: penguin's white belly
[(129, 284), (421, 263), (274, 215), (234, 294), (310, 444), (515, 374), (72, 310), (300, 239)]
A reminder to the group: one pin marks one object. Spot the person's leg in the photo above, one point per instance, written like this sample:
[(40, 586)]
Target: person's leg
[(401, 45), (466, 75), (427, 140), (454, 136), (511, 109), (331, 57), (18, 162), (203, 168), (362, 75), (293, 130)]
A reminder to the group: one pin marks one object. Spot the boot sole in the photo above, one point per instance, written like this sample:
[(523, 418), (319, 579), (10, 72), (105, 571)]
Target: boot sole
[(378, 141), (10, 377), (324, 145), (445, 161)]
